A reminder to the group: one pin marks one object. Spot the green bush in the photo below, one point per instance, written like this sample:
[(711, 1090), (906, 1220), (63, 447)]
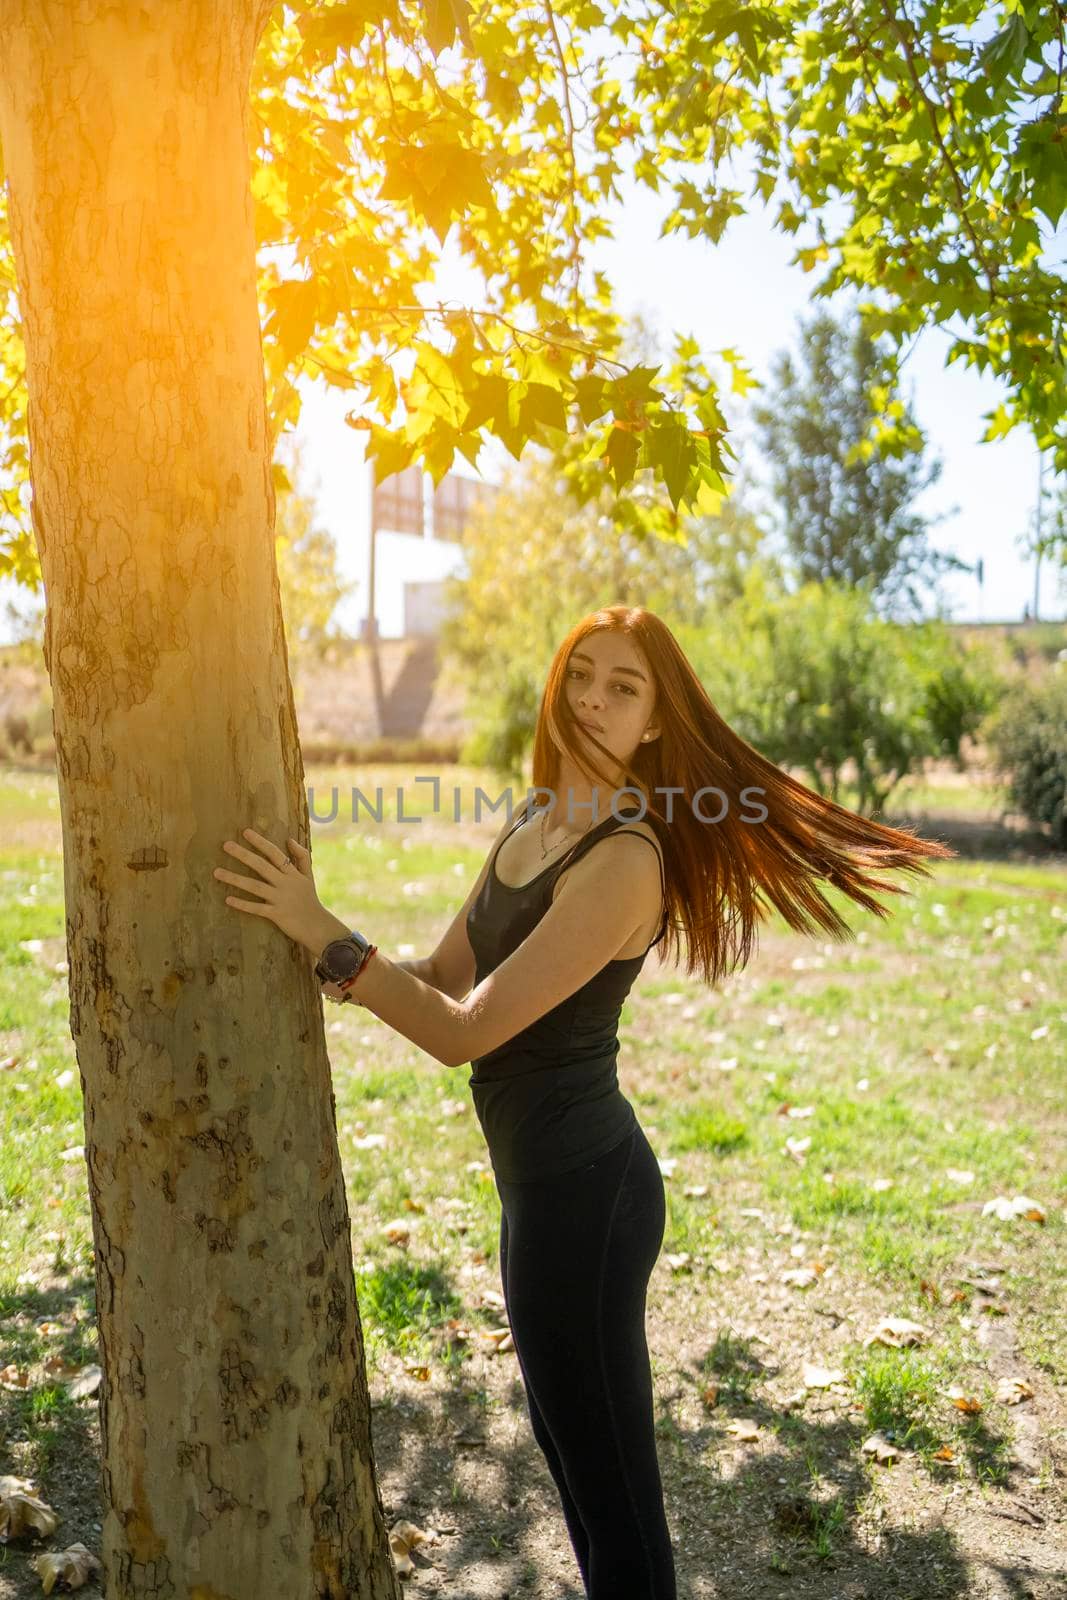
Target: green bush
[(1028, 739), (506, 723), (816, 680)]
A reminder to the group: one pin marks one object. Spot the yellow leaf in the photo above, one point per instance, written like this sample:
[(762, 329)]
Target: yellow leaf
[(74, 1565), (21, 1511)]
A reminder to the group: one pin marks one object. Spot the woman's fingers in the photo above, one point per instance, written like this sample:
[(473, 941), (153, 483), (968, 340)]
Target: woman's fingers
[(259, 908), (273, 852), (253, 885), (301, 856), (249, 857)]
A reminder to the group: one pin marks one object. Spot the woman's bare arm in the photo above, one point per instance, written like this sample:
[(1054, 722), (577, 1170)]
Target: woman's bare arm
[(606, 897)]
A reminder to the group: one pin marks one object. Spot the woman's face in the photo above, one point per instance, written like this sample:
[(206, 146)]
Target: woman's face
[(609, 685)]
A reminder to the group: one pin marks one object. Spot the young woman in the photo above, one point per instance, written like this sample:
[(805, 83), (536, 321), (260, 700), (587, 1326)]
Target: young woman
[(661, 820)]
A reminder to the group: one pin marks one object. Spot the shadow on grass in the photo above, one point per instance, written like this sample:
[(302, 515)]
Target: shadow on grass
[(979, 838), (793, 1518)]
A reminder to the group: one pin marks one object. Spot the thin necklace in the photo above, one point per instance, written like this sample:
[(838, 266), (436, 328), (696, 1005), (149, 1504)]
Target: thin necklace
[(556, 846)]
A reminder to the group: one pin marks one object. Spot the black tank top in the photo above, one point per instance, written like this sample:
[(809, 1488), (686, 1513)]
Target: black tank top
[(548, 1099)]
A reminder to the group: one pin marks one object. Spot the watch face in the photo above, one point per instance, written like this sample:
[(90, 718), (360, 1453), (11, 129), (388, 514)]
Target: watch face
[(342, 958)]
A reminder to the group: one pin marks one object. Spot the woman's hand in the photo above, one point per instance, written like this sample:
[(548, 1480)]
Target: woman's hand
[(286, 891)]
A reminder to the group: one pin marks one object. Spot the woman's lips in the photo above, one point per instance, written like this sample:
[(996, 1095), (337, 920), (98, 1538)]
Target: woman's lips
[(592, 726)]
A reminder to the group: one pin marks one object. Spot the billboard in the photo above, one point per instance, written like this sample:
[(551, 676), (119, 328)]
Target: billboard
[(454, 500), (398, 505)]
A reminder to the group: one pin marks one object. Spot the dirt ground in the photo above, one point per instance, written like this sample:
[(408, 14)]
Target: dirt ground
[(463, 1466)]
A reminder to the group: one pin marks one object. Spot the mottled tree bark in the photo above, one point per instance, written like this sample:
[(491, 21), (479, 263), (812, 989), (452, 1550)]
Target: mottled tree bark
[(234, 1415)]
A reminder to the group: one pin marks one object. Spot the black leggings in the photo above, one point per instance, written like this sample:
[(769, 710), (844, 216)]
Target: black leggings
[(576, 1253)]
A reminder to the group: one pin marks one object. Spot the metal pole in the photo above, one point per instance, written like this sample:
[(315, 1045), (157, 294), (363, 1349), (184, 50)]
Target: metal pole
[(372, 621)]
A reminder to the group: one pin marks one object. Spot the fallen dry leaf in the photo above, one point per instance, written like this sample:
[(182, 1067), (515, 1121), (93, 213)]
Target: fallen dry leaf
[(963, 1401), (710, 1396), (85, 1382), (800, 1277), (403, 1538), (897, 1332), (416, 1369), (744, 1432), (398, 1232), (14, 1378), (798, 1148), (74, 1565), (1006, 1210), (946, 1453), (1010, 1391), (695, 1191), (678, 1263), (56, 1367), (22, 1512), (495, 1341), (884, 1451)]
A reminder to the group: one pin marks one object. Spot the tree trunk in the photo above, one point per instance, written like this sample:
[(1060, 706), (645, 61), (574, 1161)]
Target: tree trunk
[(235, 1418)]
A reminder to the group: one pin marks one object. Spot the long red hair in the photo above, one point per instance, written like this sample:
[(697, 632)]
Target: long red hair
[(723, 876)]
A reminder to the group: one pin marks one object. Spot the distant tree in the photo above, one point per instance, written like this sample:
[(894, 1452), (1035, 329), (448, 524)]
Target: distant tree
[(1046, 534), (1028, 739), (817, 681), (844, 504), (311, 586)]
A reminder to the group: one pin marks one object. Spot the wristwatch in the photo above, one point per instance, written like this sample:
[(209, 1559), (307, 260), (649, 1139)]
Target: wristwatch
[(342, 959)]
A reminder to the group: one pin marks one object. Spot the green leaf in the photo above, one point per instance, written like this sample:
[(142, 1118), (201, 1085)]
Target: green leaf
[(542, 404), (1005, 54), (486, 398), (622, 452), (672, 451), (592, 396)]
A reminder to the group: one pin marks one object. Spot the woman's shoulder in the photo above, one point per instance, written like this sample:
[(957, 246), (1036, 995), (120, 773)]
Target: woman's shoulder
[(641, 825)]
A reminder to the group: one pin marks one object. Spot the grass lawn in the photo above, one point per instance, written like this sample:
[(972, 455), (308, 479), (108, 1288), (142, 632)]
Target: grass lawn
[(830, 1123)]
